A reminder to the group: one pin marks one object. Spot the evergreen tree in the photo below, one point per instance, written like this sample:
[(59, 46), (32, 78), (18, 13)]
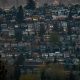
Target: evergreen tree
[(20, 60), (30, 5), (43, 75), (18, 34), (55, 60), (71, 76), (20, 15), (3, 70), (13, 11), (1, 11), (54, 38), (17, 73), (70, 14), (42, 29)]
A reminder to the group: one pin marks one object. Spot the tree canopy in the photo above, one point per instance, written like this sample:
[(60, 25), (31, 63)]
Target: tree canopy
[(54, 38), (3, 70), (31, 5), (20, 15)]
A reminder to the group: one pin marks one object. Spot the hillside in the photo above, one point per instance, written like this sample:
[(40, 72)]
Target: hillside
[(9, 3)]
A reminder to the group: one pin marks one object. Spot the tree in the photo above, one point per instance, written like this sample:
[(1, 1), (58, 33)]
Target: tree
[(55, 60), (79, 64), (70, 14), (13, 11), (42, 29), (54, 38), (17, 73), (30, 5), (1, 11), (20, 15), (20, 60), (3, 70), (71, 76), (18, 34), (43, 75), (54, 72)]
